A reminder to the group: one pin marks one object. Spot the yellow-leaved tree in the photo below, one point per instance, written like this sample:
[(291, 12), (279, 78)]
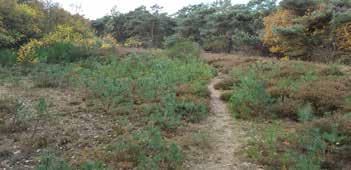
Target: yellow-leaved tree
[(63, 34), (281, 18), (18, 23)]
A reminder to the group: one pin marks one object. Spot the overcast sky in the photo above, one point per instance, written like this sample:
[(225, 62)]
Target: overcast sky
[(93, 9)]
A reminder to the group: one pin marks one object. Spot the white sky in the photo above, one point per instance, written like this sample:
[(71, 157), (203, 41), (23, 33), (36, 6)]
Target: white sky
[(93, 9)]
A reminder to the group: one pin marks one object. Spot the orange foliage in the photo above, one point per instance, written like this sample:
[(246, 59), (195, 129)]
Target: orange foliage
[(281, 18)]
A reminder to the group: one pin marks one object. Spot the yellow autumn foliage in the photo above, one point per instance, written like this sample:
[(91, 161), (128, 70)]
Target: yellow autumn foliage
[(343, 36), (109, 42), (133, 42), (63, 33), (281, 18), (27, 53), (285, 58)]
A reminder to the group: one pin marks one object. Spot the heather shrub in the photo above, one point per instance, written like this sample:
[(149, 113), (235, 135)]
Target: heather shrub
[(314, 98), (307, 148), (285, 90)]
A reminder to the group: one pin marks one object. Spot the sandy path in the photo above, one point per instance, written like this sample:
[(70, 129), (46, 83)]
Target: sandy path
[(227, 137)]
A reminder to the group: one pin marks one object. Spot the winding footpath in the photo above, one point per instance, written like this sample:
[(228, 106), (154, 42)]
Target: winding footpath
[(227, 137)]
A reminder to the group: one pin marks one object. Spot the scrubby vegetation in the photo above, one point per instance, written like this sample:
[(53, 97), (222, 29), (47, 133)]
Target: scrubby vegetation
[(126, 91), (309, 109), (148, 97)]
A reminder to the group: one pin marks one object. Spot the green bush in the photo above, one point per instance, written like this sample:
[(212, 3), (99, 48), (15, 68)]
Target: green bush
[(192, 112), (305, 113), (63, 52), (184, 50), (148, 149), (7, 57), (49, 161), (315, 146), (199, 88), (139, 79), (250, 97)]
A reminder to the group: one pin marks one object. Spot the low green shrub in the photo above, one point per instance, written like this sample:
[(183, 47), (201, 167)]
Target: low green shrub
[(250, 98), (305, 113), (7, 57), (281, 90), (142, 90), (142, 78), (199, 88), (184, 50), (49, 161), (320, 145), (64, 52), (314, 99), (192, 112), (148, 149)]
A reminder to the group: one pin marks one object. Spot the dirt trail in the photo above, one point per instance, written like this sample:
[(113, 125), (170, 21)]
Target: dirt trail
[(227, 137)]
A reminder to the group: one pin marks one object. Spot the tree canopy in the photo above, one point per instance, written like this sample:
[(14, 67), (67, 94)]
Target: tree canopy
[(294, 28)]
